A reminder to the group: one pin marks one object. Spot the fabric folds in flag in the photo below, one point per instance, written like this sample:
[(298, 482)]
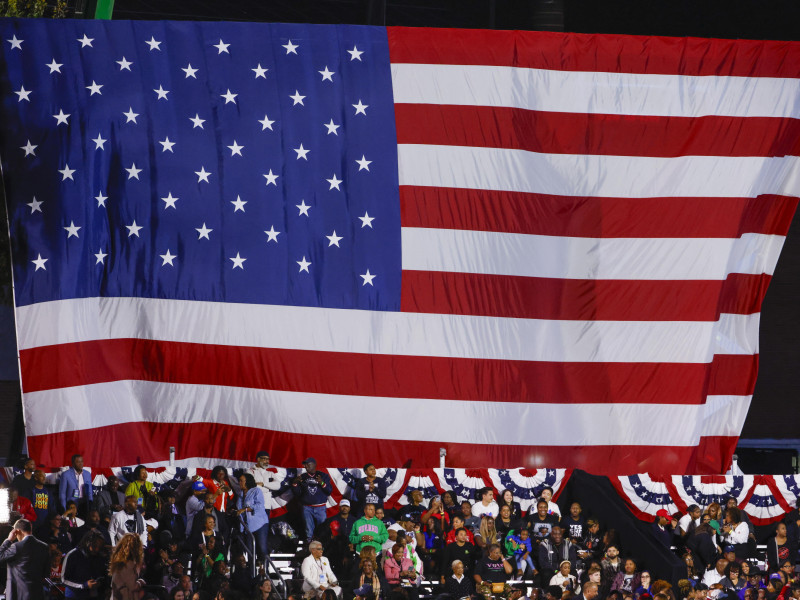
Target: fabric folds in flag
[(367, 244)]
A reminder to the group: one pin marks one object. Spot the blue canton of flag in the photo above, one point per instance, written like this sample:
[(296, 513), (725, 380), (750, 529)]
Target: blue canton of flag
[(202, 161)]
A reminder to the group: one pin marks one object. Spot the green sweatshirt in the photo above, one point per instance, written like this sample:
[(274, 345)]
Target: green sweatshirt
[(373, 527)]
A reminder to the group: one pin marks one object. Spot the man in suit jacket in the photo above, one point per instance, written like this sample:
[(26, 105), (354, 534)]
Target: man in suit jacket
[(76, 484), (28, 562)]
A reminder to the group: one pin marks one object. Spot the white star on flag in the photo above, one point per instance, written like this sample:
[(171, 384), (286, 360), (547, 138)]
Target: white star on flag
[(124, 64), (169, 201), (303, 208), (229, 97), (272, 235), (235, 149), (301, 152), (332, 128), (86, 41), (61, 118), (133, 172), (202, 175), (304, 264), (222, 47), (334, 182), (154, 45), (361, 108), (366, 220), (167, 145), (39, 262), (266, 123), (100, 256), (333, 239), (168, 258), (355, 54), (190, 72), (133, 229), (131, 116), (298, 98), (23, 94), (99, 142), (198, 122), (101, 200), (15, 43), (94, 88), (271, 178), (238, 204), (203, 231), (55, 67), (260, 71), (368, 277), (66, 173), (327, 75), (72, 230), (363, 164), (162, 93), (35, 205), (238, 261), (29, 149), (291, 48)]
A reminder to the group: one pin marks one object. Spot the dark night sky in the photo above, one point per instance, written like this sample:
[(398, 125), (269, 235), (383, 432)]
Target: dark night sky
[(775, 411)]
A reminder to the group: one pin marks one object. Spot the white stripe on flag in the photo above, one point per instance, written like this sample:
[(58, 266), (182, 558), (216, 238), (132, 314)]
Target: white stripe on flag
[(595, 92), (597, 175), (374, 332), (487, 252), (103, 404)]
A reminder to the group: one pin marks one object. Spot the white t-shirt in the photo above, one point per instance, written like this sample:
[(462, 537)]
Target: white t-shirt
[(478, 509)]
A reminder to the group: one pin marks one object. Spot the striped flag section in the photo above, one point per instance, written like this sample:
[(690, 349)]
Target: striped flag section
[(589, 225)]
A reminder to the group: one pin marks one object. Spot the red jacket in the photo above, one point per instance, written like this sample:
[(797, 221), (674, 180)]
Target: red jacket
[(24, 507)]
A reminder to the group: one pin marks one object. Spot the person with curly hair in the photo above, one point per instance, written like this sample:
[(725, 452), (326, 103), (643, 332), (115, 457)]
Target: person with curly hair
[(125, 564), (367, 584)]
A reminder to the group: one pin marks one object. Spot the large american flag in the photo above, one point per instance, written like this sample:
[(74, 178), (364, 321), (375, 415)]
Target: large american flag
[(366, 244)]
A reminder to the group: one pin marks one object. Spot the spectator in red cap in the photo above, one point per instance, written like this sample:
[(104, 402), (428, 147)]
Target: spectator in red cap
[(664, 527)]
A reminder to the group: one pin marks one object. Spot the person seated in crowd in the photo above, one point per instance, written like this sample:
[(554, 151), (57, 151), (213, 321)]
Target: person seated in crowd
[(735, 531), (573, 524), (663, 527), (412, 529), (733, 577), (317, 573), (204, 557), (592, 571), (219, 485), (83, 568), (456, 524), (541, 523), (592, 590), (485, 504), (701, 544), (20, 506), (590, 544), (504, 523), (470, 522), (554, 550), (93, 524), (628, 579), (43, 502), (334, 533), (201, 535), (712, 577), (507, 499), (450, 503), (611, 565), (110, 499), (519, 548), (645, 583), (693, 573), (688, 522), (459, 584), (400, 572), (195, 503), (128, 520), (171, 518), (433, 544), (367, 585), (370, 489), (143, 491), (75, 484), (368, 530), (381, 514), (437, 511), (552, 508), (25, 481), (487, 534), (265, 590), (70, 518), (565, 579), (415, 507), (492, 569), (462, 551), (221, 527), (56, 536)]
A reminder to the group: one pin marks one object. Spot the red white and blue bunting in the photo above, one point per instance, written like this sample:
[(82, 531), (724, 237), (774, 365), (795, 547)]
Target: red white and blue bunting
[(765, 498)]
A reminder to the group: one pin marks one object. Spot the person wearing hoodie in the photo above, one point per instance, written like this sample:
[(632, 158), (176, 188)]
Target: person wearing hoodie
[(369, 530)]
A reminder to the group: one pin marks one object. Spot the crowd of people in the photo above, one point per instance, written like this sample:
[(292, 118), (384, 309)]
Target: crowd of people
[(199, 542)]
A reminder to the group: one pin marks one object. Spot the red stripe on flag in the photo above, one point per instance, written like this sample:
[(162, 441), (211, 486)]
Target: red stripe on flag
[(541, 214), (733, 373), (132, 443), (577, 133), (86, 363), (580, 299), (582, 52)]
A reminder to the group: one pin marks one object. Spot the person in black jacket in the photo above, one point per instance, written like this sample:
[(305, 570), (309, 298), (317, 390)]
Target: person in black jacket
[(370, 489), (28, 563), (701, 543), (83, 570), (664, 527), (460, 550), (458, 585), (553, 551)]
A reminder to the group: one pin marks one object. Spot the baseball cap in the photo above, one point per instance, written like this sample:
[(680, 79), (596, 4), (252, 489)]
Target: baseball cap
[(755, 571), (344, 502), (405, 517), (662, 512), (310, 459), (395, 527), (728, 549), (262, 453), (198, 486)]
